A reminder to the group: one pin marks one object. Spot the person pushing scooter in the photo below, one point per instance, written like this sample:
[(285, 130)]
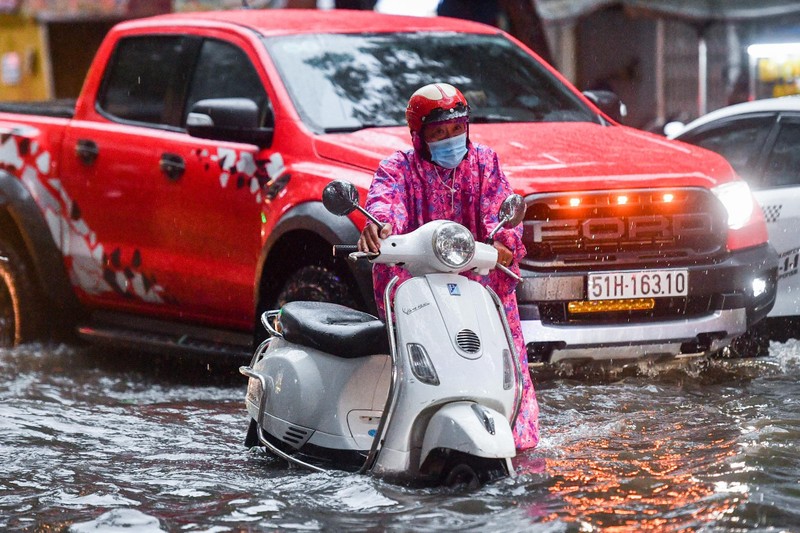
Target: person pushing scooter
[(445, 176)]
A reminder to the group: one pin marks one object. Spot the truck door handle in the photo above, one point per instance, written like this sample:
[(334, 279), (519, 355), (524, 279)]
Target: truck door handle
[(87, 151), (172, 165)]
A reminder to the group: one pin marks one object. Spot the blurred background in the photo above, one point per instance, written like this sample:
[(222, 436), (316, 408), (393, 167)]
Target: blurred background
[(666, 59)]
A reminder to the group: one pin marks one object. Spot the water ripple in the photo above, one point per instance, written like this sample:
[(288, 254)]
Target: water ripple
[(99, 442)]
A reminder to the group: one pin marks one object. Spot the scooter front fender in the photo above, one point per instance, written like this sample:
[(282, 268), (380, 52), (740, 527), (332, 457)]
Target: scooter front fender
[(470, 428)]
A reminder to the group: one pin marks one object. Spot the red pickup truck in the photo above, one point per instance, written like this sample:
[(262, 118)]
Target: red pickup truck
[(180, 195)]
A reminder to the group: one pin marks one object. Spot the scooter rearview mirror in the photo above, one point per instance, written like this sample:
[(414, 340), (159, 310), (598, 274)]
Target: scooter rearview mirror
[(512, 211), (341, 198)]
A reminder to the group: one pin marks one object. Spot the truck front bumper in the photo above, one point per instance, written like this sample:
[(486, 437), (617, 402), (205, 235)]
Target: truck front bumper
[(722, 303)]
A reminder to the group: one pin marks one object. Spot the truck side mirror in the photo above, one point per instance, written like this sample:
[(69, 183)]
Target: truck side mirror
[(228, 119), (609, 103)]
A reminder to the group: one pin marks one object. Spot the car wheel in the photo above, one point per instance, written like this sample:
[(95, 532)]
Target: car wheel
[(316, 283), (20, 318)]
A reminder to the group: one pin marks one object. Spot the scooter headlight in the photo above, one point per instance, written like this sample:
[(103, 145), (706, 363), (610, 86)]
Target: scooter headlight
[(453, 245)]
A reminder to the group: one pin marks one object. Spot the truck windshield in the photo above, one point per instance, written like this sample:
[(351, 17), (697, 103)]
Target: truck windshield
[(346, 82)]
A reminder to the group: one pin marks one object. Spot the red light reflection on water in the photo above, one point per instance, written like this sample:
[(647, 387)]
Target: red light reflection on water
[(636, 482)]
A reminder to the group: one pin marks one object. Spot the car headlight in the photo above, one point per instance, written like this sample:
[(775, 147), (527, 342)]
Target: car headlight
[(738, 202), (453, 245)]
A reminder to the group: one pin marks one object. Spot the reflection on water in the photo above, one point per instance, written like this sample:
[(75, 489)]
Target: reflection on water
[(95, 441)]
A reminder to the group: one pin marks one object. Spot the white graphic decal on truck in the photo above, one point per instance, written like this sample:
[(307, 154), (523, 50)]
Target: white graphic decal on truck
[(237, 169), (89, 266)]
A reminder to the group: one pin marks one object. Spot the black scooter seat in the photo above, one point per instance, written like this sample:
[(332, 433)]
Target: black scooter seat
[(333, 328)]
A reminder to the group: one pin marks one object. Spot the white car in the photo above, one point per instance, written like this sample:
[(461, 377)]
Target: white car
[(761, 140)]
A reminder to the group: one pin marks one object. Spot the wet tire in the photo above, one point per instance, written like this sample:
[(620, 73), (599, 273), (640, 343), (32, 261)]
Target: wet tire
[(467, 472), (462, 477), (316, 283), (20, 312), (753, 343)]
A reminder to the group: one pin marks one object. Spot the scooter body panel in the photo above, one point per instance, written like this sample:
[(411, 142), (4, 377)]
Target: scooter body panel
[(317, 398), (456, 322), (470, 428)]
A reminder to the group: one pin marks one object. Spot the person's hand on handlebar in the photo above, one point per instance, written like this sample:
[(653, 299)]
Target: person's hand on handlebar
[(370, 240), (504, 255)]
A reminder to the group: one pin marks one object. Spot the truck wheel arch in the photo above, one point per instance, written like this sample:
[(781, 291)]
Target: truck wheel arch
[(304, 235), (23, 226)]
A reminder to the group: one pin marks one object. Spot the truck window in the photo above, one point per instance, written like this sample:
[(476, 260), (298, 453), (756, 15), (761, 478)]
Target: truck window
[(224, 71), (739, 141), (341, 82), (145, 82)]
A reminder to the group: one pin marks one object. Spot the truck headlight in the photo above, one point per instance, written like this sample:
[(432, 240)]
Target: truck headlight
[(738, 202), (453, 245), (759, 287)]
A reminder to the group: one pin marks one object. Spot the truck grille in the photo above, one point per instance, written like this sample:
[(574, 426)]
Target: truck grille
[(625, 227)]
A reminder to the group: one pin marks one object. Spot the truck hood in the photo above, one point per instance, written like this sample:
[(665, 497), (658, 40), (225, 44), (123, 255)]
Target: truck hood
[(543, 157)]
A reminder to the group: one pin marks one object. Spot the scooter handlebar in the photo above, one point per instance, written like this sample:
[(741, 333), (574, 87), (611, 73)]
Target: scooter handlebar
[(342, 250), (351, 252)]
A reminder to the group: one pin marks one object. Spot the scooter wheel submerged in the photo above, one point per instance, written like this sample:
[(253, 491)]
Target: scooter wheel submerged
[(462, 476), (467, 472)]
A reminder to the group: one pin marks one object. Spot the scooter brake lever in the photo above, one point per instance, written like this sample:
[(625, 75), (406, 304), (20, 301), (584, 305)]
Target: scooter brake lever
[(520, 279)]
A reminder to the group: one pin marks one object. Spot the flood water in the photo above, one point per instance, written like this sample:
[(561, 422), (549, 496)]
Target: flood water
[(93, 441)]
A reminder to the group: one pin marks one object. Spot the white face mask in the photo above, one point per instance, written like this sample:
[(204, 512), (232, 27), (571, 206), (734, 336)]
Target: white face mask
[(449, 152)]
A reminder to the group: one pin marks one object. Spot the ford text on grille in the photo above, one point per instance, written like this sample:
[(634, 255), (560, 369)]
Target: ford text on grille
[(615, 228)]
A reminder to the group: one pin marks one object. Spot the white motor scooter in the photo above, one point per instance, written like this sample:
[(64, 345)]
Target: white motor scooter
[(431, 396)]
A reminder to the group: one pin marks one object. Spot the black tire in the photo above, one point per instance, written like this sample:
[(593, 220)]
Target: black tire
[(316, 283), (462, 477), (753, 343), (467, 472), (20, 309)]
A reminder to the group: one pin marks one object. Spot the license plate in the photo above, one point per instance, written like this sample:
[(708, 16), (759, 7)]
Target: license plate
[(643, 284)]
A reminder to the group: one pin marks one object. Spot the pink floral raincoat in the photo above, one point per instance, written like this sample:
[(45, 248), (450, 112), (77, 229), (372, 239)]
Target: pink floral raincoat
[(408, 191)]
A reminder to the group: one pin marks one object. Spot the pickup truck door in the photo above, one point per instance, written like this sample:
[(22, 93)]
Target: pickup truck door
[(165, 224)]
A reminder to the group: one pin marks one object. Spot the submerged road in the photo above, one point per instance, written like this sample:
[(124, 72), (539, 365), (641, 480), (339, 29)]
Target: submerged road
[(94, 441)]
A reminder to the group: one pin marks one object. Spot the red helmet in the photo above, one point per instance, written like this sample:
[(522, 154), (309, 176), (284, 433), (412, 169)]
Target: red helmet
[(433, 103)]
